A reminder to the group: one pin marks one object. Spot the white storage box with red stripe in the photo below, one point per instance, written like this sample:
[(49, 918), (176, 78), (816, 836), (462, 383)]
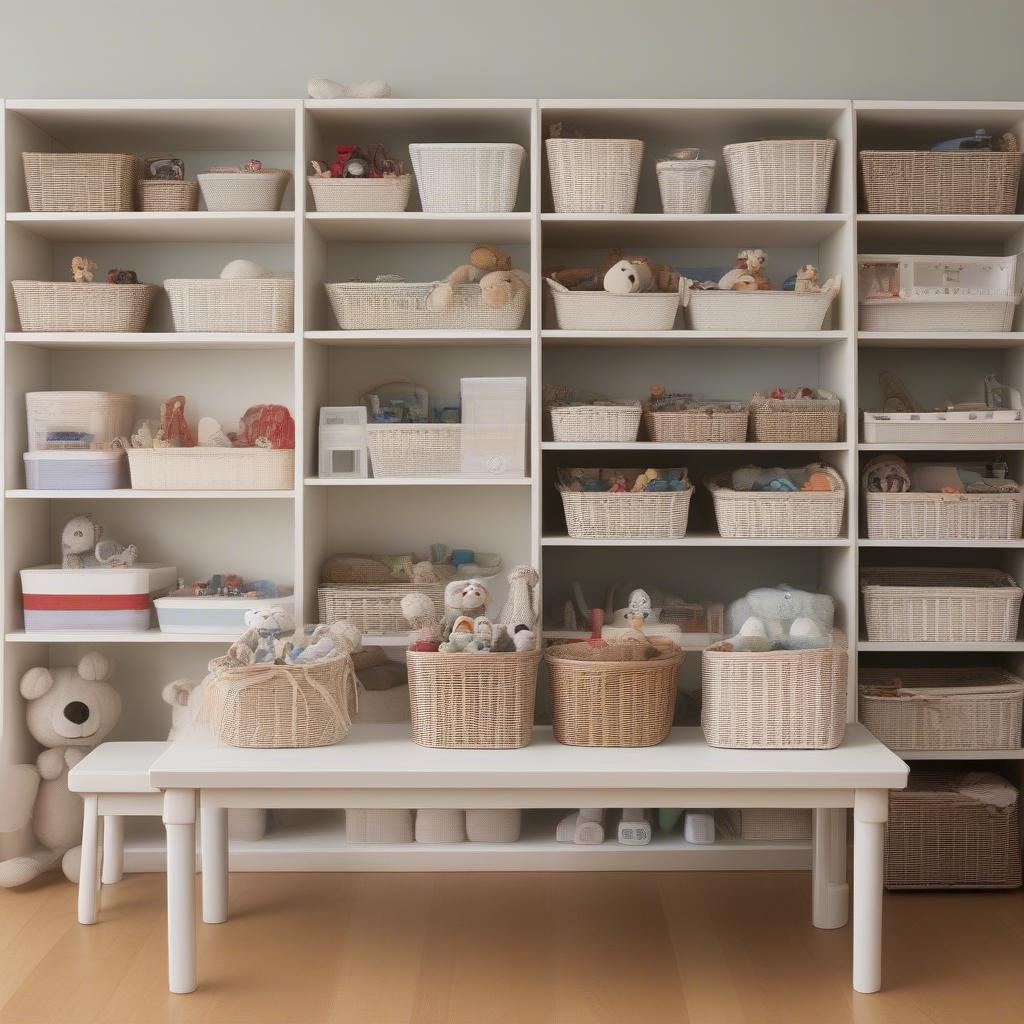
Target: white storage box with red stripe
[(95, 598)]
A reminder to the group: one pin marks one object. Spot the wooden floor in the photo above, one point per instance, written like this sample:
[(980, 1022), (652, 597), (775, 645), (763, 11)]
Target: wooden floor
[(721, 948)]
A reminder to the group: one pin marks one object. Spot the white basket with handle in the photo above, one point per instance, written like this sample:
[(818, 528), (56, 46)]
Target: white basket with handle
[(467, 177)]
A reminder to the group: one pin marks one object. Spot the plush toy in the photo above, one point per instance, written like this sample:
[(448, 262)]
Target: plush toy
[(463, 598), (461, 636), (81, 546), (500, 287), (641, 482), (484, 261), (483, 636), (807, 279), (623, 278), (521, 606), (747, 273), (69, 711), (83, 269), (651, 277), (790, 618), (524, 638), (262, 640), (419, 612), (326, 641), (646, 276)]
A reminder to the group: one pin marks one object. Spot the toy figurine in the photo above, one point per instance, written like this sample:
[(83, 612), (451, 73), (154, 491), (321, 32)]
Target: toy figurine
[(83, 269), (81, 546)]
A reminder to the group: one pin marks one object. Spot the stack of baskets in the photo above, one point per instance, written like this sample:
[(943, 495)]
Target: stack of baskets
[(785, 420), (780, 175), (244, 191), (594, 175), (73, 306), (605, 311), (906, 604), (720, 422), (644, 514), (253, 305), (926, 515), (600, 421), (361, 195), (81, 182), (467, 177)]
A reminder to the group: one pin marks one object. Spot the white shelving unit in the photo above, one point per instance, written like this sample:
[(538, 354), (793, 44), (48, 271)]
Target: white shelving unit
[(287, 534)]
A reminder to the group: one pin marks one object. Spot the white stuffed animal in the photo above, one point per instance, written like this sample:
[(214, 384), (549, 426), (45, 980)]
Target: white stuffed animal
[(463, 597), (627, 278), (69, 711)]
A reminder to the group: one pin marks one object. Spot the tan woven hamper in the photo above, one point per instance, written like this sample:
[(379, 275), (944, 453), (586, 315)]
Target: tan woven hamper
[(157, 195), (379, 825), (493, 825), (786, 420), (472, 700), (375, 609), (696, 425), (81, 182), (602, 421), (69, 306), (939, 838), (415, 449), (591, 514), (361, 195), (440, 825), (942, 708), (938, 605), (612, 695), (922, 515), (775, 824), (775, 700), (245, 191)]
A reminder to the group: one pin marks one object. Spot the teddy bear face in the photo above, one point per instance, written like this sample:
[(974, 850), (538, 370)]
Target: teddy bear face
[(80, 534), (73, 711), (624, 278), (269, 620)]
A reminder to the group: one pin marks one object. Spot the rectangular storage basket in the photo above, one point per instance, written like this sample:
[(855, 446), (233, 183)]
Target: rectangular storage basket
[(472, 700), (774, 700), (402, 306), (695, 425), (375, 609), (81, 182), (75, 470), (600, 422), (938, 838), (983, 426), (101, 415), (467, 177), (786, 420), (590, 514), (813, 514), (214, 469), (158, 195), (906, 604), (257, 305), (604, 311), (914, 181), (713, 310), (415, 449), (685, 185), (69, 306), (361, 195), (246, 191), (379, 825), (594, 175), (775, 824), (942, 708), (780, 175), (914, 515)]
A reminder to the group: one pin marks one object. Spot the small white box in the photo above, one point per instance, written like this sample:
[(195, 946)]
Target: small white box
[(183, 613), (75, 471), (342, 442)]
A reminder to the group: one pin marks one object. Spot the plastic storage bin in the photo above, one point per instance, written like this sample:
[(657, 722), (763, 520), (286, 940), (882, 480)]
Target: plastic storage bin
[(67, 306), (361, 195), (77, 420), (983, 426), (780, 175), (594, 175), (467, 177), (75, 471), (259, 305), (183, 613), (255, 191), (81, 182)]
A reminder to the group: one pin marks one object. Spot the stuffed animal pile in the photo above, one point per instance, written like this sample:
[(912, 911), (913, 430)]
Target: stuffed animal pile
[(266, 641), (778, 618), (624, 481)]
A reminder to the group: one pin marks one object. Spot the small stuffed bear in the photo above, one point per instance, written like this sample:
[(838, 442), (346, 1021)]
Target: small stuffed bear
[(460, 637), (81, 546), (259, 644), (68, 711), (463, 598), (488, 265), (419, 612)]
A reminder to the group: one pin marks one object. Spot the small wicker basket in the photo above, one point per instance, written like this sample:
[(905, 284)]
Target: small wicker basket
[(604, 311), (361, 195), (924, 181), (594, 175), (590, 514), (105, 415), (67, 306), (713, 310), (440, 825), (780, 175), (812, 514), (376, 609), (908, 604), (600, 422), (467, 177), (415, 449), (685, 185), (245, 191), (157, 195), (81, 182), (256, 305), (923, 515), (785, 420), (775, 824), (472, 700), (775, 700), (942, 708), (613, 694), (697, 425), (214, 469)]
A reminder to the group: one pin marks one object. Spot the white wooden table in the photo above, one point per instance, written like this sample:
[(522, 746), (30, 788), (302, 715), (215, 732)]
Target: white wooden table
[(380, 766)]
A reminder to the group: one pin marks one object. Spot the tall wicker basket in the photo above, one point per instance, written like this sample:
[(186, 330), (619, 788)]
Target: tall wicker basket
[(594, 175), (780, 175)]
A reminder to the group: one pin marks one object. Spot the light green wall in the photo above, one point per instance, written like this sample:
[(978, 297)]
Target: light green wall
[(894, 49)]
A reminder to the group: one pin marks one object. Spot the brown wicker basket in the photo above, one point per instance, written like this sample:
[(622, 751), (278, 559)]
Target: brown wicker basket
[(929, 182), (613, 695), (81, 182), (70, 306), (157, 195), (472, 700), (784, 420), (694, 425)]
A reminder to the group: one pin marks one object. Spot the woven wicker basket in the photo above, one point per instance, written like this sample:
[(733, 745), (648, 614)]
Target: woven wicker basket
[(361, 195), (214, 469), (604, 311), (785, 420), (377, 609), (595, 423), (937, 838), (612, 695), (258, 305), (81, 182), (248, 191), (939, 605), (157, 195), (594, 175), (105, 415), (685, 185), (775, 824), (440, 825), (689, 425), (915, 515), (415, 449), (942, 708), (814, 514), (940, 182), (775, 700), (713, 310), (66, 306), (467, 177), (602, 514), (379, 825), (281, 705), (780, 175), (493, 825), (908, 315), (402, 306), (472, 700)]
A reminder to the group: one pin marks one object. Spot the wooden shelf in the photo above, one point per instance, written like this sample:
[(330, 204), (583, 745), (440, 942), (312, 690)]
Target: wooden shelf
[(185, 226), (497, 228)]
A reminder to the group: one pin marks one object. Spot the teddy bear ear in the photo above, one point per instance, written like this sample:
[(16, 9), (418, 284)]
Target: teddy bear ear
[(346, 636), (178, 692), (35, 682), (94, 666)]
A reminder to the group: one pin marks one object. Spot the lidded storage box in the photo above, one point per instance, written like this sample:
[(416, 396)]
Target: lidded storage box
[(77, 420), (182, 613)]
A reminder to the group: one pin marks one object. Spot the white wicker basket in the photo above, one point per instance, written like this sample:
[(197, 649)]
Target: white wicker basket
[(942, 708), (780, 175), (378, 825), (594, 175), (415, 449), (604, 311), (214, 469), (402, 306), (244, 191), (905, 315), (598, 514), (983, 426), (467, 177), (775, 824), (921, 515), (907, 604), (103, 414), (67, 306), (258, 305), (685, 185), (714, 310), (361, 195), (374, 609), (599, 422), (817, 514)]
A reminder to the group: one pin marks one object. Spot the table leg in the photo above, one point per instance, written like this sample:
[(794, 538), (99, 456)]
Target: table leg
[(214, 840), (89, 866), (830, 895), (180, 823), (113, 848), (870, 811)]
